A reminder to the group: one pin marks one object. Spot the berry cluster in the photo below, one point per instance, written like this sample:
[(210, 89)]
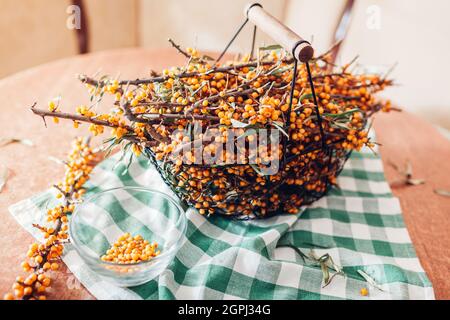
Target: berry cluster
[(42, 258), (128, 250)]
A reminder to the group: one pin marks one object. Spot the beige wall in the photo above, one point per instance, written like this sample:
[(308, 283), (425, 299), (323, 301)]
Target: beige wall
[(414, 33), (205, 24), (113, 23), (31, 33), (34, 31)]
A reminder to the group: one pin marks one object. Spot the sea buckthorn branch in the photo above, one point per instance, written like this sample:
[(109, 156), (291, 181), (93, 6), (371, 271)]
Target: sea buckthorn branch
[(157, 115), (191, 54), (145, 117), (74, 117), (56, 114), (179, 49), (45, 257), (162, 78)]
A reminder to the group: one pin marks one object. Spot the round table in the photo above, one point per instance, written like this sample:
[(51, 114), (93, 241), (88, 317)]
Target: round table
[(403, 137)]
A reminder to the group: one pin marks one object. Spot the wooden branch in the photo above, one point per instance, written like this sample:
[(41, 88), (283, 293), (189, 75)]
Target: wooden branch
[(157, 117), (176, 46), (224, 69), (75, 117), (162, 117)]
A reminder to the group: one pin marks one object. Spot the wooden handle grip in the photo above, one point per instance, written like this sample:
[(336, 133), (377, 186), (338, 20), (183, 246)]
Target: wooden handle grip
[(292, 42)]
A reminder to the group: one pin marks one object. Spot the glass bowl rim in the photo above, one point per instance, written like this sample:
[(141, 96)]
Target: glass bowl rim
[(86, 255)]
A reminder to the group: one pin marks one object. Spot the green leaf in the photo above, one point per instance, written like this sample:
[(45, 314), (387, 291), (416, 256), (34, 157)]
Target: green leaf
[(191, 91), (125, 149), (205, 56), (271, 47), (280, 70), (280, 127), (104, 78), (112, 144), (109, 140), (340, 115), (339, 125), (257, 169), (248, 133), (130, 161), (200, 88), (306, 96), (370, 280), (239, 124)]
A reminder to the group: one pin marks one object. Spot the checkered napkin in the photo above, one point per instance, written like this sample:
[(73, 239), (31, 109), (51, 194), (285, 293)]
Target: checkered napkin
[(359, 225)]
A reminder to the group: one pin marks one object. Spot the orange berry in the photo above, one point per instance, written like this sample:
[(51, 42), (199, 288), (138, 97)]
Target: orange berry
[(8, 296), (364, 292)]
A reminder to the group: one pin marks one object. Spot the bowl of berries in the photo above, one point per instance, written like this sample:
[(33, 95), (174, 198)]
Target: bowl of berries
[(128, 236)]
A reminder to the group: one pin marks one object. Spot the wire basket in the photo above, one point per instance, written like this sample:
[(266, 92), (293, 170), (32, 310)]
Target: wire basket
[(289, 197), (243, 190)]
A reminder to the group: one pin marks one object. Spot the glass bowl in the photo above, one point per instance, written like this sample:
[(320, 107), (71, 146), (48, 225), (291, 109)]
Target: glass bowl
[(102, 218)]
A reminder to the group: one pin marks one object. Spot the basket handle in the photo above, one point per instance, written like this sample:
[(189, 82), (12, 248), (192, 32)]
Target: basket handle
[(292, 42)]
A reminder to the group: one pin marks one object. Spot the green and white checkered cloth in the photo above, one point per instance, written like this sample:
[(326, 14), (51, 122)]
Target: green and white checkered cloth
[(359, 225)]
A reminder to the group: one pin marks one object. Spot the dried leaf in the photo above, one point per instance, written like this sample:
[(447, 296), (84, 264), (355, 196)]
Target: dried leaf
[(54, 159), (395, 166), (334, 266), (3, 176), (408, 170), (370, 280), (441, 192), (231, 194), (407, 173), (25, 142), (415, 182), (326, 274), (326, 263)]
